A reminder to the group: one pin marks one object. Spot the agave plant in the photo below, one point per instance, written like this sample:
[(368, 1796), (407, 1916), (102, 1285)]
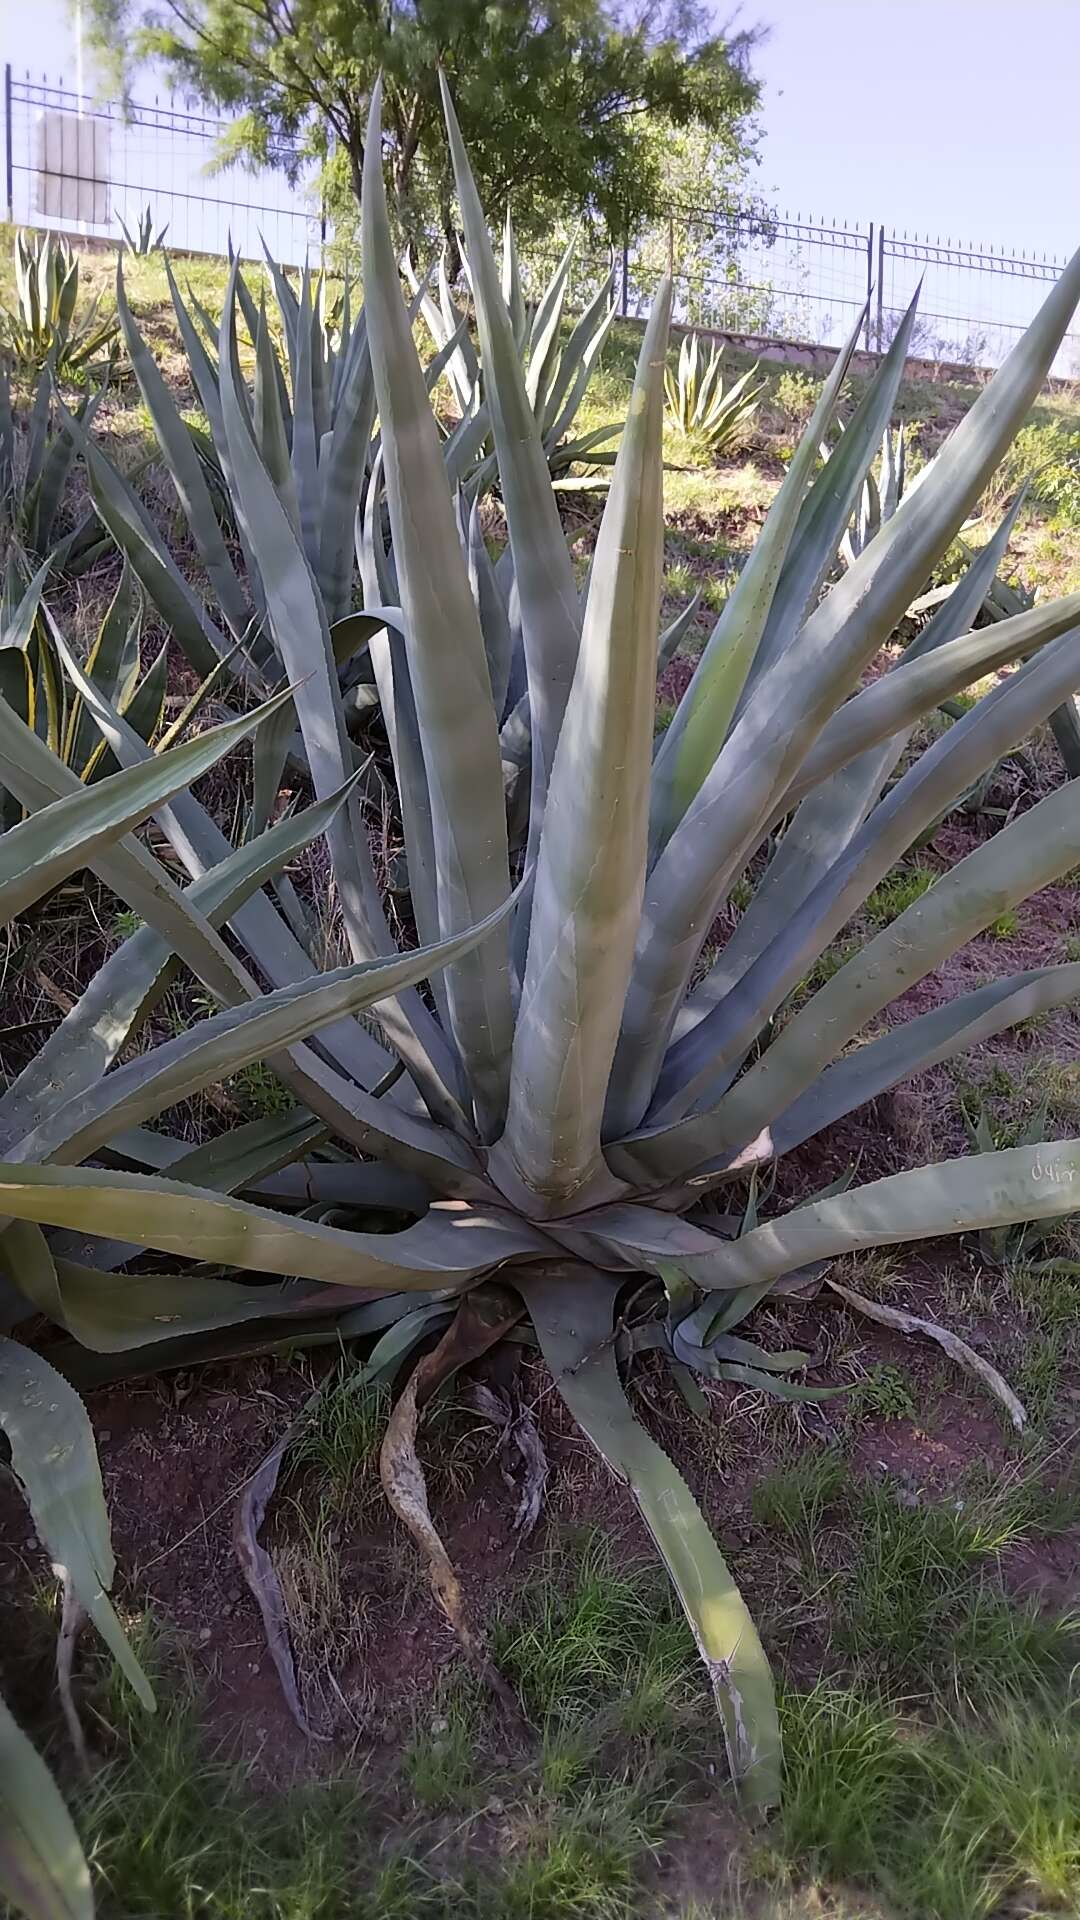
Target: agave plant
[(144, 241), (701, 407), (879, 495), (561, 1115), (36, 457), (878, 500), (46, 323), (35, 686), (556, 374)]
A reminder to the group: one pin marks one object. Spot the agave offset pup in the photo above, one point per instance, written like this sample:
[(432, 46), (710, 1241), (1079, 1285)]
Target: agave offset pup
[(559, 1114)]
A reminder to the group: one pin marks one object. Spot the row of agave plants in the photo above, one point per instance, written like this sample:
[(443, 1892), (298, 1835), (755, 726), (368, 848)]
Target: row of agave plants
[(553, 1122)]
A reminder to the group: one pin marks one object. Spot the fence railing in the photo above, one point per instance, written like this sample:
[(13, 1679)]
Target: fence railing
[(76, 164)]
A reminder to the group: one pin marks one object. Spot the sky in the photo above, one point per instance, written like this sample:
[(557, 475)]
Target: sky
[(958, 117)]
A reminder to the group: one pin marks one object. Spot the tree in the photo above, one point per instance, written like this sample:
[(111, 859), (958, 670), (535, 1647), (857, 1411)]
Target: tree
[(555, 100)]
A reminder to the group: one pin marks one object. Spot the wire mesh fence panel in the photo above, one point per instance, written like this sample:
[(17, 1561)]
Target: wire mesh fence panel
[(975, 301), (82, 166), (759, 272)]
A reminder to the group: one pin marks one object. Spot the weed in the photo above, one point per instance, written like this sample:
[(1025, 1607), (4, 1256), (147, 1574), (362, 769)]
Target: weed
[(341, 1437), (1038, 1380), (793, 1499), (885, 1392), (665, 714), (439, 1760), (795, 396), (609, 1636), (897, 893)]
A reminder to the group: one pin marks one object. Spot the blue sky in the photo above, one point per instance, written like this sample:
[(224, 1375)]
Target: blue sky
[(960, 117)]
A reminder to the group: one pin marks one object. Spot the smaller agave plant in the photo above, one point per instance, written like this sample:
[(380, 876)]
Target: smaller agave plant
[(879, 496), (35, 686), (46, 324), (699, 405), (556, 375), (36, 455), (144, 241)]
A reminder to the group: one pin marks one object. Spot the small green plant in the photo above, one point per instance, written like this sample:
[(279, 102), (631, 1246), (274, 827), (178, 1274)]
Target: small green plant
[(885, 1391), (899, 892), (700, 407), (45, 324), (795, 396)]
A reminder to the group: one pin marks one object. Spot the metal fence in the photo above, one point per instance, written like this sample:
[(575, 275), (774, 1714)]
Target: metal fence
[(75, 164)]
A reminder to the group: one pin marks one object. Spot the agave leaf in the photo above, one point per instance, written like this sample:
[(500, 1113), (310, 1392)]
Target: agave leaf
[(544, 336), (451, 1240), (576, 363), (36, 855), (447, 668), (591, 867), (921, 681), (227, 1163), (371, 1125), (946, 769), (116, 1313), (672, 637), (992, 1189), (299, 628), (701, 722), (54, 1458), (215, 1048), (1028, 854), (823, 828), (1034, 850), (268, 418), (200, 844), (957, 1026), (184, 467), (512, 290), (124, 989), (43, 1870), (305, 446), (494, 618), (131, 527), (545, 576), (582, 1359), (828, 505), (342, 474), (46, 496), (113, 663), (758, 761)]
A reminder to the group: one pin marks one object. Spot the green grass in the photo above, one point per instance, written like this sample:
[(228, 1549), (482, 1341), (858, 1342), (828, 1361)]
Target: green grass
[(343, 1433), (904, 1797), (897, 893), (958, 1821)]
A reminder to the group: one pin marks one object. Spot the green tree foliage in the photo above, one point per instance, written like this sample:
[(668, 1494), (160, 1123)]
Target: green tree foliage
[(559, 102)]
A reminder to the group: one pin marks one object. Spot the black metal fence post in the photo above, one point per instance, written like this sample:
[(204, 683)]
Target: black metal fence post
[(880, 341), (869, 283)]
